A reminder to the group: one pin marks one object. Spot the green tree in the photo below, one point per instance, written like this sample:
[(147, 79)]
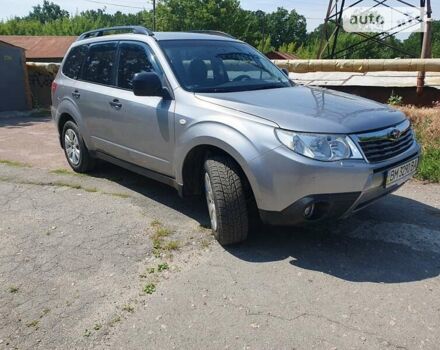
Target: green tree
[(264, 45), (47, 12), (285, 27), (413, 43)]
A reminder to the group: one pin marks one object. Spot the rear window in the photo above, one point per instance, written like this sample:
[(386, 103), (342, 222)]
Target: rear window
[(100, 63), (74, 61)]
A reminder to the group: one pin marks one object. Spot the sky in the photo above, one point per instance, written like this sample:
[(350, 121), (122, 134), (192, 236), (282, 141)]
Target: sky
[(313, 10)]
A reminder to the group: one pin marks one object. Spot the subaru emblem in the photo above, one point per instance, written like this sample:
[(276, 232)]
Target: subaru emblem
[(394, 134)]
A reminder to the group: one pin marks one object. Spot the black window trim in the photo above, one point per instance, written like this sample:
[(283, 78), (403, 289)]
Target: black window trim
[(152, 57), (81, 77), (82, 62), (114, 85)]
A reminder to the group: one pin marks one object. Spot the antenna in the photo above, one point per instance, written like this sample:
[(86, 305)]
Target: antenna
[(330, 46)]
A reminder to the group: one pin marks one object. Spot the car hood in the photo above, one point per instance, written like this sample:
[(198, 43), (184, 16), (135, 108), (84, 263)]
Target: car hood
[(309, 109)]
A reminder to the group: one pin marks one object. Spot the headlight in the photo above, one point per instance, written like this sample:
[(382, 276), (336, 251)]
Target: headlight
[(319, 146)]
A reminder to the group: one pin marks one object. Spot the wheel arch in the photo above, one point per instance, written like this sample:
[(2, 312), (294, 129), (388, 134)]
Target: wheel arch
[(191, 172), (66, 111)]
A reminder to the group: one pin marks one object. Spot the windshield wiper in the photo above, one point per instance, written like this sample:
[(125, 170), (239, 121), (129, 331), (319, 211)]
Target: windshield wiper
[(215, 89), (241, 88), (267, 86)]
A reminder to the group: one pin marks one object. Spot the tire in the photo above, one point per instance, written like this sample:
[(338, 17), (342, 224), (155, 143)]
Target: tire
[(76, 152), (226, 199)]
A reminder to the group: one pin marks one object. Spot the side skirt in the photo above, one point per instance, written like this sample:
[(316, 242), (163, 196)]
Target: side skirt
[(168, 180)]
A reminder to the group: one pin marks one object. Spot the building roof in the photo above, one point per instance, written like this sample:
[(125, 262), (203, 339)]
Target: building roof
[(9, 44), (277, 55), (38, 47)]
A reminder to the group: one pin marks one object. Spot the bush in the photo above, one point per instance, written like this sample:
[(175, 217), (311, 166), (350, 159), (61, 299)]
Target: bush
[(426, 123)]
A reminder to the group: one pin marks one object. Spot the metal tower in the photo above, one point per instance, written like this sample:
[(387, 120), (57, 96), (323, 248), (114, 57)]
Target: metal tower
[(333, 26)]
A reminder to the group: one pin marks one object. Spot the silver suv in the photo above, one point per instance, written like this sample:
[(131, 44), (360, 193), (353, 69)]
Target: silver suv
[(206, 113)]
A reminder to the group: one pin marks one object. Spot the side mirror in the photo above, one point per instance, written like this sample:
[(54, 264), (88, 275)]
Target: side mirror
[(285, 71), (147, 84)]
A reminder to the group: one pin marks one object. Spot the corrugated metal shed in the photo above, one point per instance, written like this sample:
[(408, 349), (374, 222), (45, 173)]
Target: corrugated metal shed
[(14, 86), (41, 48)]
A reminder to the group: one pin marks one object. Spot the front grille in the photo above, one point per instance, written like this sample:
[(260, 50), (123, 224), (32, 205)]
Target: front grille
[(380, 145)]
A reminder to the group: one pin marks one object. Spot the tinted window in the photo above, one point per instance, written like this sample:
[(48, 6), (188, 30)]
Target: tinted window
[(99, 65), (73, 63), (133, 58), (221, 66)]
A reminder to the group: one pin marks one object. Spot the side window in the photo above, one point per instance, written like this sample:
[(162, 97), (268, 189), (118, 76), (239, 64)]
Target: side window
[(133, 58), (74, 61), (100, 62)]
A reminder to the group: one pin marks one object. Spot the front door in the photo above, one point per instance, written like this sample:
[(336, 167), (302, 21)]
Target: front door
[(142, 126)]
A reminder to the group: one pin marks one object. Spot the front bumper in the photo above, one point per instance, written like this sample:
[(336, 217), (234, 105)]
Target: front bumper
[(286, 183)]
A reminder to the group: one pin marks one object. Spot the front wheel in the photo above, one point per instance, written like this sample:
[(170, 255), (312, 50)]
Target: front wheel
[(226, 200)]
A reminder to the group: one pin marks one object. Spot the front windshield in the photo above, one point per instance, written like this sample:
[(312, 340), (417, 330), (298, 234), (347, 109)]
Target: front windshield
[(221, 66)]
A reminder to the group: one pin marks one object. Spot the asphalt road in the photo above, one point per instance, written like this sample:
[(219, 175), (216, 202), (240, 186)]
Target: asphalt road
[(77, 252)]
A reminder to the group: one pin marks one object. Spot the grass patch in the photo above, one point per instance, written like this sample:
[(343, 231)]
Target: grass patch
[(172, 245), (87, 333), (97, 326), (429, 168), (91, 189), (33, 324), (149, 271), (149, 288), (62, 184), (205, 243), (114, 320), (13, 289), (160, 232), (155, 223), (128, 308), (116, 194), (14, 163), (45, 311), (62, 171), (162, 267), (426, 123)]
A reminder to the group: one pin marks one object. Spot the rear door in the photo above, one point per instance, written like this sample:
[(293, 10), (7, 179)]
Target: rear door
[(97, 82), (142, 127), (66, 80)]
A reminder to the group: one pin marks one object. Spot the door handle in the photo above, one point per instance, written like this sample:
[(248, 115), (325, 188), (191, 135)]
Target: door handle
[(116, 104), (76, 94)]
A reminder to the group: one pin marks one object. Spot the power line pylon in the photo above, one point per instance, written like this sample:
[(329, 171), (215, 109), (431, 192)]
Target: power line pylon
[(333, 25)]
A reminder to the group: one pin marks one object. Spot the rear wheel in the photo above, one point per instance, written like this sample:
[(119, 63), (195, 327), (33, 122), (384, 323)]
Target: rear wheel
[(75, 150), (226, 200)]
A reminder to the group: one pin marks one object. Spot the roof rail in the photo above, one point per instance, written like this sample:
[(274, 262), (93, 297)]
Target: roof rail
[(101, 31), (213, 32)]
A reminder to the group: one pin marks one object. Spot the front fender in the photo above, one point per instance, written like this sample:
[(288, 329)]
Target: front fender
[(227, 138)]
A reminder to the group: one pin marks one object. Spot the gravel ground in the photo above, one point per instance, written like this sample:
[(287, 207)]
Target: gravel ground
[(77, 252)]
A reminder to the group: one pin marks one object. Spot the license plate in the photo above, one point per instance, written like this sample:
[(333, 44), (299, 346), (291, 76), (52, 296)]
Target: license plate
[(401, 173)]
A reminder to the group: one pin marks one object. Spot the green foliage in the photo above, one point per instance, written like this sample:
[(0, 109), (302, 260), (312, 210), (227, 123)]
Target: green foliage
[(47, 12), (281, 30), (286, 27), (149, 288), (429, 168), (264, 45), (395, 100)]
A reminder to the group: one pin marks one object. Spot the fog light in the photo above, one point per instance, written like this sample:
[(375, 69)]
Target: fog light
[(308, 211)]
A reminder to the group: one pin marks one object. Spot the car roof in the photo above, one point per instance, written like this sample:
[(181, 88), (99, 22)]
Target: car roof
[(191, 36), (158, 36)]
